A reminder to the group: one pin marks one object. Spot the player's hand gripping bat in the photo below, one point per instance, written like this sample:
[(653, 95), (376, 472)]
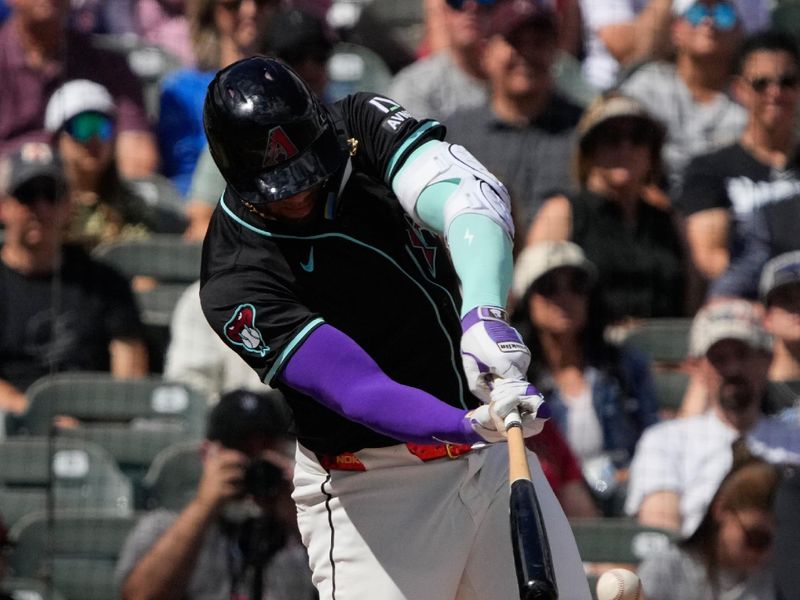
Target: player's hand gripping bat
[(532, 559)]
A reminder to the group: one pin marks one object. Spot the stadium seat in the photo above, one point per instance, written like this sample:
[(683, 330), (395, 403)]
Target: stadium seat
[(83, 475), (21, 588), (353, 68), (665, 341), (171, 263), (77, 550), (670, 387), (173, 477), (617, 540), (133, 419), (166, 258)]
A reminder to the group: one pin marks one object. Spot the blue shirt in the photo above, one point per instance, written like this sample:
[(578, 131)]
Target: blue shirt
[(181, 137)]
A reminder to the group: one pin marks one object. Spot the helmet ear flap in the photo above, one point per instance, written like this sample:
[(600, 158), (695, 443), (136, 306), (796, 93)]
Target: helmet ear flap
[(268, 134)]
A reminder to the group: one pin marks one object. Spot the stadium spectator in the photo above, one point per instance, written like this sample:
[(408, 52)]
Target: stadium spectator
[(601, 396), (164, 24), (773, 230), (677, 463), (619, 33), (102, 17), (452, 77), (221, 33), (197, 356), (60, 310), (524, 134), (38, 54), (302, 41), (691, 95), (780, 292), (729, 554), (104, 206), (563, 472), (239, 533), (634, 244), (723, 188)]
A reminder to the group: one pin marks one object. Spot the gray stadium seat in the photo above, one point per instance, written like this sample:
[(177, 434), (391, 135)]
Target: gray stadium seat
[(670, 387), (173, 477), (663, 340), (82, 474), (166, 258), (134, 419), (78, 550), (617, 540)]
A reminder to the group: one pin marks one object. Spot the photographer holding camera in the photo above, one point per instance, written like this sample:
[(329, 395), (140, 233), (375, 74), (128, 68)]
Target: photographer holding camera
[(237, 538)]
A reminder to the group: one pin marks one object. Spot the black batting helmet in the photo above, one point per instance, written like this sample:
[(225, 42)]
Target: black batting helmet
[(268, 134)]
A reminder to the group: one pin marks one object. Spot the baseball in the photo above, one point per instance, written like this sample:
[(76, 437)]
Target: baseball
[(619, 584)]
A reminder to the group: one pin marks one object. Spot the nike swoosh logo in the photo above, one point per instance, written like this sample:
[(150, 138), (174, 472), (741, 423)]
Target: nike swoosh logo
[(308, 266)]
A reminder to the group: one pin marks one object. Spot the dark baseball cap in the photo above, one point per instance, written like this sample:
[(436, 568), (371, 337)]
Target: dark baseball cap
[(510, 15), (241, 414), (32, 160), (782, 270)]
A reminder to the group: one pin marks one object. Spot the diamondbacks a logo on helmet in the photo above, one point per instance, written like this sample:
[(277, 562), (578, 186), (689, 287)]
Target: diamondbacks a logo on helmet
[(279, 147), (240, 330)]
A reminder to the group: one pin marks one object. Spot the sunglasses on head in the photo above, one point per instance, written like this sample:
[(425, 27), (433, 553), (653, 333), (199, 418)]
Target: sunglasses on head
[(788, 81), (39, 188), (571, 280), (757, 538), (723, 15), (85, 126), (459, 4)]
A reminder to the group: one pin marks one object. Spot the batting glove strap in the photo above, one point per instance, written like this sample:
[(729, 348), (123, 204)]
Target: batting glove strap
[(490, 348)]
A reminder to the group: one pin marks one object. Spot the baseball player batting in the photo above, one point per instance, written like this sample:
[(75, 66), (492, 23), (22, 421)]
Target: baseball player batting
[(359, 263)]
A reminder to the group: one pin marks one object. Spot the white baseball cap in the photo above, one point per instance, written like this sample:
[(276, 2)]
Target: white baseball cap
[(539, 259), (731, 319), (76, 97)]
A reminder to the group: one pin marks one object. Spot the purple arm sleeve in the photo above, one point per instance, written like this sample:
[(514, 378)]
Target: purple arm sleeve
[(331, 368)]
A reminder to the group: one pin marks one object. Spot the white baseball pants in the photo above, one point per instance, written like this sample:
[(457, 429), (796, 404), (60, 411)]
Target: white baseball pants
[(411, 530)]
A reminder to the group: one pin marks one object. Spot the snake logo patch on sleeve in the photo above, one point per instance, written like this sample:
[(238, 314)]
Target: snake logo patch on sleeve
[(240, 330)]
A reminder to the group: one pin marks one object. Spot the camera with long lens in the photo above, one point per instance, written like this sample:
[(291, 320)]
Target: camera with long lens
[(262, 479)]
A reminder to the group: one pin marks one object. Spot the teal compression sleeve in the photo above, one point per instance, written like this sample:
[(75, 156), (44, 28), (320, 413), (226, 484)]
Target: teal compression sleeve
[(481, 251)]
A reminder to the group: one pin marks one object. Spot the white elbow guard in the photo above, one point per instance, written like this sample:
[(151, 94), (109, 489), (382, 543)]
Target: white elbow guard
[(479, 192)]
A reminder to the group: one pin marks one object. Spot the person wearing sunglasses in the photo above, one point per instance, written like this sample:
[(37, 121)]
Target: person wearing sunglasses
[(59, 309), (724, 189), (41, 52), (691, 94), (601, 396), (729, 554), (633, 243), (105, 207), (221, 32)]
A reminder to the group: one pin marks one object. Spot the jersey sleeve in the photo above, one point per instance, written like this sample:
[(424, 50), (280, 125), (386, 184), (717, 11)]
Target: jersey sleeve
[(385, 133), (257, 315)]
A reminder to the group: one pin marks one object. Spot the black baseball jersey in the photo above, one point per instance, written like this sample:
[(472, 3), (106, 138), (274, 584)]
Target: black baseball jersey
[(363, 267)]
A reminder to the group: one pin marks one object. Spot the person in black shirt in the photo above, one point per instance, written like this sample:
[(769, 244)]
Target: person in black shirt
[(361, 265)]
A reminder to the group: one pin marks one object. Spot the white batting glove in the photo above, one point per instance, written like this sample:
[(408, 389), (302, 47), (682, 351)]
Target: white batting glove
[(491, 348), (518, 397), (489, 420)]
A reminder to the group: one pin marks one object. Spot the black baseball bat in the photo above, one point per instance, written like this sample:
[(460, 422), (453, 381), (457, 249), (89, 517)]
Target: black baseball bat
[(532, 559)]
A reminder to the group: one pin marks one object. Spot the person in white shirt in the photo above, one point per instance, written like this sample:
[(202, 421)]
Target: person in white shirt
[(677, 464)]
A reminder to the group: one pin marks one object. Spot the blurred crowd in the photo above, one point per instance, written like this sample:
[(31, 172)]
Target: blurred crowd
[(650, 148)]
